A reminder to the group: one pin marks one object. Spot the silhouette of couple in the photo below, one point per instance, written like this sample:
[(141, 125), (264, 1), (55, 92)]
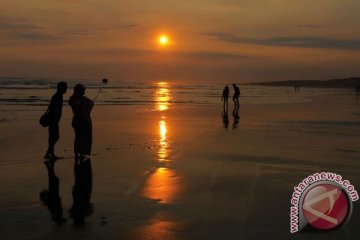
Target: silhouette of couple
[(224, 98), (81, 122), (225, 95)]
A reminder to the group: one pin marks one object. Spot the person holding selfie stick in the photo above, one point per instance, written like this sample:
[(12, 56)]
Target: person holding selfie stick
[(81, 122)]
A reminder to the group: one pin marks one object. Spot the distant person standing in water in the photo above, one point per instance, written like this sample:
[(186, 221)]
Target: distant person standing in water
[(81, 122), (54, 113), (236, 94), (225, 96)]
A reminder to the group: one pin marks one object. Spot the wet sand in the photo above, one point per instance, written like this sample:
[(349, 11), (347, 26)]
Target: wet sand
[(175, 172)]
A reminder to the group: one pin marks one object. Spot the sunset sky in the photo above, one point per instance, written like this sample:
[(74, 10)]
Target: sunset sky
[(216, 40)]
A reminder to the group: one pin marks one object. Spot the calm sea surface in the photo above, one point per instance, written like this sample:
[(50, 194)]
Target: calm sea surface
[(28, 91)]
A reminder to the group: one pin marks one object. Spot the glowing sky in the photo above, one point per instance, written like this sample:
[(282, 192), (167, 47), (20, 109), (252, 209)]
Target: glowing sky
[(239, 40)]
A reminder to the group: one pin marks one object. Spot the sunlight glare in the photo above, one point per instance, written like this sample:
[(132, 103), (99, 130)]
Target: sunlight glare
[(163, 150), (163, 40), (162, 97)]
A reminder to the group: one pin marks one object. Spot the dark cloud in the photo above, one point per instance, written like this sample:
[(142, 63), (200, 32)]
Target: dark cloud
[(79, 32), (212, 55), (309, 26), (304, 42), (25, 30), (11, 25), (36, 36), (130, 25), (71, 1), (22, 29), (88, 31), (143, 54)]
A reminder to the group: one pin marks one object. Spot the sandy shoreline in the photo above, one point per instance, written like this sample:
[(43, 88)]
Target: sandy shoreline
[(179, 174)]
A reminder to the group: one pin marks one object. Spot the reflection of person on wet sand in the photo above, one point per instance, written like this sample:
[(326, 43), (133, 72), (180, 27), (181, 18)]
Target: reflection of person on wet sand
[(82, 189), (50, 197), (225, 96), (81, 122), (236, 116), (54, 113), (225, 118)]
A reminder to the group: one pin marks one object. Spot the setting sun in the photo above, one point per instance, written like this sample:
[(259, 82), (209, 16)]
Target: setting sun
[(163, 40)]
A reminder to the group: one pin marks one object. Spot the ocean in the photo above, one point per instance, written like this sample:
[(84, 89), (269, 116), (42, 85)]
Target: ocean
[(38, 91), (167, 161)]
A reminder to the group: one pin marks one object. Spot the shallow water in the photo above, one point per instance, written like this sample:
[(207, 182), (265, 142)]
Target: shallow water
[(38, 91), (168, 164)]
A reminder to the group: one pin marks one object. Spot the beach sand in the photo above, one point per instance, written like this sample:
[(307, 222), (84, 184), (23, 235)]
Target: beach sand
[(179, 173)]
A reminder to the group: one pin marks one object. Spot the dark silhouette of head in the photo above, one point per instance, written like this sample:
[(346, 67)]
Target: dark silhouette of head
[(226, 87), (234, 85), (79, 89), (61, 87)]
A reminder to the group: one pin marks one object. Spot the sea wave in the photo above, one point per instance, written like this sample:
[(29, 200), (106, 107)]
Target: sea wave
[(33, 91)]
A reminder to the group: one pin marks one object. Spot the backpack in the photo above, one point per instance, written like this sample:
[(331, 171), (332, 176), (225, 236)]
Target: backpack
[(45, 119)]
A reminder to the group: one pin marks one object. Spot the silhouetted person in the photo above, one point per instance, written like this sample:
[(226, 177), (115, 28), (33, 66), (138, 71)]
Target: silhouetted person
[(54, 113), (236, 116), (225, 118), (357, 88), (50, 197), (82, 207), (297, 88), (81, 122), (236, 94), (225, 96), (357, 91)]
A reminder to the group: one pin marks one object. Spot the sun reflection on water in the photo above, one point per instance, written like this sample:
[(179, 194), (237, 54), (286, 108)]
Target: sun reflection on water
[(163, 183), (162, 96), (164, 151)]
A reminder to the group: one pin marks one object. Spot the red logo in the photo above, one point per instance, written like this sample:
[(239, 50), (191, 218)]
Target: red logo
[(325, 206)]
